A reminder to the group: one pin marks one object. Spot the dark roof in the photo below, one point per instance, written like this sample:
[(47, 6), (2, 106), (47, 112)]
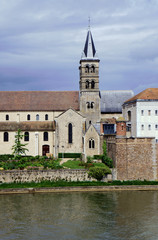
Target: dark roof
[(28, 126), (38, 100), (89, 51), (148, 94), (112, 101)]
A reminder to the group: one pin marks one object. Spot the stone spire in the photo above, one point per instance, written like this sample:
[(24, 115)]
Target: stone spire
[(89, 52)]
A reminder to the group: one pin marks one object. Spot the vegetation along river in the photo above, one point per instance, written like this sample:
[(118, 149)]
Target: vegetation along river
[(129, 215)]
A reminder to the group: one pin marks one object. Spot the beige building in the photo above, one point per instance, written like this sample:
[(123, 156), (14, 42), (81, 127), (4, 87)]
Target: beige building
[(65, 121)]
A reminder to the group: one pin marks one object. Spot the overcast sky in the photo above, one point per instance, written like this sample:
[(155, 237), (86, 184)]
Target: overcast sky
[(41, 42)]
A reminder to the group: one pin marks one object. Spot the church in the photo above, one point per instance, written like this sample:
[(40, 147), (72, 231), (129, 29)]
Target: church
[(63, 121)]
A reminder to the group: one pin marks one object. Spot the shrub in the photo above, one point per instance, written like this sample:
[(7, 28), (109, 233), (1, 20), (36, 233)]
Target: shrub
[(98, 157), (105, 159), (98, 172), (89, 159), (5, 157), (69, 155)]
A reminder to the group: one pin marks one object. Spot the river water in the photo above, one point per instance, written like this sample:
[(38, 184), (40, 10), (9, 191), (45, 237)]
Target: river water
[(129, 215)]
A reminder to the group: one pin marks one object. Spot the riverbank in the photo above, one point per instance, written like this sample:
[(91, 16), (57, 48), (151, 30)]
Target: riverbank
[(64, 186), (79, 189)]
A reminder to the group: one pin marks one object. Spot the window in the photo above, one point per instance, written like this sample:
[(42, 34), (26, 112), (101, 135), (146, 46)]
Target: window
[(37, 117), (26, 136), (91, 143), (156, 127), (156, 140), (7, 117), (88, 105), (142, 112), (46, 117), (6, 137), (87, 69), (70, 133), (28, 117), (92, 104), (45, 136), (87, 84), (92, 84), (129, 116), (149, 112), (90, 122), (156, 112), (92, 69), (142, 127), (149, 127)]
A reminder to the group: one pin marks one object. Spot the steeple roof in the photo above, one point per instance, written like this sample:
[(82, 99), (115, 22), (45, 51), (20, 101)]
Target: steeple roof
[(89, 51)]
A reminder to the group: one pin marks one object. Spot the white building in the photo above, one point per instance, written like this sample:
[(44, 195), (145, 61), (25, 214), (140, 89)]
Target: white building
[(141, 114)]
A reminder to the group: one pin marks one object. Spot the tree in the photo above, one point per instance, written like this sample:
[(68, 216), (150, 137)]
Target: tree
[(19, 148), (105, 159)]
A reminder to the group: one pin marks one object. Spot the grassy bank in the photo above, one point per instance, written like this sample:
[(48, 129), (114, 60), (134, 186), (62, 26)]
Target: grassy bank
[(45, 184)]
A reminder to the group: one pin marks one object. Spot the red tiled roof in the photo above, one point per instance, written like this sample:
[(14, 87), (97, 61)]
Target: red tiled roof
[(38, 100), (148, 94)]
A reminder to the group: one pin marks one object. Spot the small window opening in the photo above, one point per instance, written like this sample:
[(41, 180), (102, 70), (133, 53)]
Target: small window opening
[(142, 127), (7, 117), (6, 137), (45, 136), (92, 69), (46, 117), (37, 117), (70, 133), (87, 84), (26, 136), (87, 69), (92, 84), (28, 117)]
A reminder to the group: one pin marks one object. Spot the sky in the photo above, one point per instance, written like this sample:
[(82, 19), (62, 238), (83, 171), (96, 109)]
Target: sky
[(41, 42)]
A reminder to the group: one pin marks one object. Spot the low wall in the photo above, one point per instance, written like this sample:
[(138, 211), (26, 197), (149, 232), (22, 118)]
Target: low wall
[(42, 175)]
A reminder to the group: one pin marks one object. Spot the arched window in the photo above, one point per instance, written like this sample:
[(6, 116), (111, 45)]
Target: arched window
[(46, 117), (45, 136), (142, 127), (37, 117), (7, 117), (87, 69), (70, 133), (28, 117), (92, 69), (149, 127), (87, 84), (91, 143), (92, 84), (26, 136), (92, 104), (6, 137), (88, 105)]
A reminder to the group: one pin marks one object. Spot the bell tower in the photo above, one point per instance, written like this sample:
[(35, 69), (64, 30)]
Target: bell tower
[(89, 82)]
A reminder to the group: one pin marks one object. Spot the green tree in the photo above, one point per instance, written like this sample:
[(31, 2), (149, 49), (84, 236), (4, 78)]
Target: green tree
[(105, 158), (19, 148)]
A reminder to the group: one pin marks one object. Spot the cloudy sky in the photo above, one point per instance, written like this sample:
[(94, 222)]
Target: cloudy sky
[(41, 43)]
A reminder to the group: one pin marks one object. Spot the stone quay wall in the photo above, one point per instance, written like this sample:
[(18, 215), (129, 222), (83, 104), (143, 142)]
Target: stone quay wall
[(10, 176)]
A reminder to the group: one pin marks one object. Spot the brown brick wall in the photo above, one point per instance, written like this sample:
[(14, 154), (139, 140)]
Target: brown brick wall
[(134, 158)]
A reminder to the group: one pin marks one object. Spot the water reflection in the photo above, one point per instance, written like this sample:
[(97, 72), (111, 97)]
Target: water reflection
[(108, 215)]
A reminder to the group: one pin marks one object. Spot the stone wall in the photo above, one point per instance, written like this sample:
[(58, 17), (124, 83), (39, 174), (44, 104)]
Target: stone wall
[(135, 158)]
